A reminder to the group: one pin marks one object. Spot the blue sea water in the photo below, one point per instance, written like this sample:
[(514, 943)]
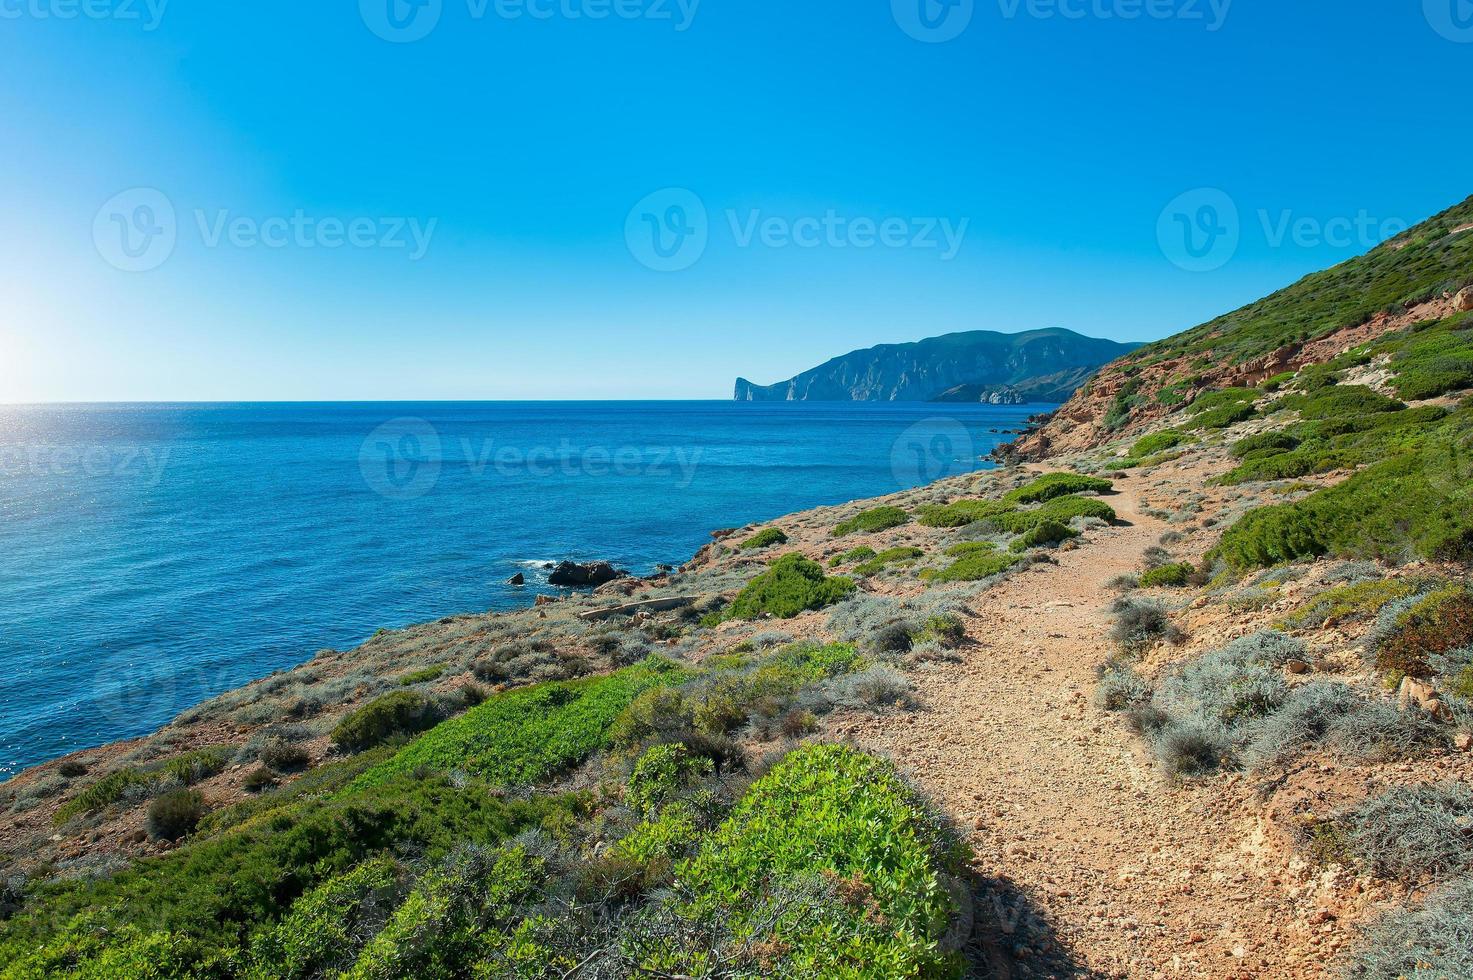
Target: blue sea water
[(152, 556)]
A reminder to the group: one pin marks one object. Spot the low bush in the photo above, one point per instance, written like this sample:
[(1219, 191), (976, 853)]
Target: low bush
[(394, 715), (875, 687), (791, 585), (1223, 399), (1415, 834), (423, 676), (1173, 575), (1340, 401), (1190, 747), (1042, 534), (521, 736), (863, 553), (1348, 603), (662, 775), (1433, 942), (1052, 485), (1158, 442), (175, 814), (873, 520), (975, 567), (765, 538), (886, 558), (960, 513), (1120, 688), (103, 793), (1222, 418), (1266, 440), (1432, 625), (831, 810), (283, 756), (1141, 623), (327, 928)]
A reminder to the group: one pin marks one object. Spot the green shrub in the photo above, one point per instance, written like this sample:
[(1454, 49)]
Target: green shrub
[(1348, 603), (283, 756), (1158, 442), (1406, 505), (890, 556), (862, 553), (1139, 623), (965, 548), (422, 676), (962, 512), (175, 814), (103, 793), (791, 585), (766, 538), (521, 736), (1041, 534), (1222, 418), (327, 927), (662, 775), (393, 715), (834, 811), (1435, 362), (1262, 441), (1171, 576), (1340, 401), (876, 519), (975, 567), (1052, 485), (192, 767)]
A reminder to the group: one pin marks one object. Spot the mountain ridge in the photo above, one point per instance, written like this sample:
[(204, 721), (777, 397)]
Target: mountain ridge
[(975, 365)]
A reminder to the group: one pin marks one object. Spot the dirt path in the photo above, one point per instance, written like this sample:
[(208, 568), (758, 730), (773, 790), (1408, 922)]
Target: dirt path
[(1098, 864)]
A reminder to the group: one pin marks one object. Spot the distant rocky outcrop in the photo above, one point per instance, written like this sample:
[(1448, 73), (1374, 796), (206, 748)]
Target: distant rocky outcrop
[(975, 366)]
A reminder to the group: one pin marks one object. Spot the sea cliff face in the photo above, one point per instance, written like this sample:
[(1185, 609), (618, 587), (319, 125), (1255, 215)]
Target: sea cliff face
[(976, 366)]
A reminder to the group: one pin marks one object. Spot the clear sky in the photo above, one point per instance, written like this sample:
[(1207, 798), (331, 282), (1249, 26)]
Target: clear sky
[(212, 200)]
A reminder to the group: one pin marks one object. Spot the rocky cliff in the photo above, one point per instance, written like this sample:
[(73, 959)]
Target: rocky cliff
[(978, 365)]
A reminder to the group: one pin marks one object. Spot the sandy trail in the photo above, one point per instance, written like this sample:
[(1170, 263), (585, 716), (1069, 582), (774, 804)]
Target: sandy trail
[(1097, 863)]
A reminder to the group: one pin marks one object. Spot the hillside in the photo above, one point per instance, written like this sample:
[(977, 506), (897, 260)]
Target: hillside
[(1191, 696), (1416, 276), (978, 365)]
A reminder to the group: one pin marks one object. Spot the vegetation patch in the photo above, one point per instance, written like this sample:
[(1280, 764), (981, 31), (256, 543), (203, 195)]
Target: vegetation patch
[(1052, 485), (1348, 603), (975, 567), (1426, 943), (791, 585), (1158, 442), (394, 715), (765, 538), (960, 513), (1415, 834), (1433, 625), (1042, 534), (873, 520), (1175, 575), (522, 736), (888, 557), (862, 553), (834, 812)]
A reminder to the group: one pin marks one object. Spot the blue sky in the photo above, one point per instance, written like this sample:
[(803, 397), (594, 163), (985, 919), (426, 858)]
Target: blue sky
[(816, 151)]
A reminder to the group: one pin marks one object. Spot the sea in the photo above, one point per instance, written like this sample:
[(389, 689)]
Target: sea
[(155, 555)]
